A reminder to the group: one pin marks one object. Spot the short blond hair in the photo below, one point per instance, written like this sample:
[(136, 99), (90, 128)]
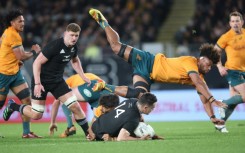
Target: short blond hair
[(73, 27)]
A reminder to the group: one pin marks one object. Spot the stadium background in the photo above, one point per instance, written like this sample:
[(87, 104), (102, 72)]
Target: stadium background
[(172, 27)]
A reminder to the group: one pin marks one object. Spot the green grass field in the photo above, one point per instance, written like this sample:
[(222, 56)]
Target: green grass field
[(180, 137)]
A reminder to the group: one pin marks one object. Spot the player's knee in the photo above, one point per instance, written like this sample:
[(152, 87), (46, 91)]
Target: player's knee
[(70, 101), (134, 92), (37, 111), (37, 116), (25, 93)]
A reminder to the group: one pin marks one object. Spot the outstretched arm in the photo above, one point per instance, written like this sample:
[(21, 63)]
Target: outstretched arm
[(124, 135), (54, 112), (202, 88), (205, 96)]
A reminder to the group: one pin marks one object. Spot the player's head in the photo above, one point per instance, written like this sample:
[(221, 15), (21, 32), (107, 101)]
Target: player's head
[(108, 102), (15, 19), (208, 56), (147, 102), (236, 21), (71, 34)]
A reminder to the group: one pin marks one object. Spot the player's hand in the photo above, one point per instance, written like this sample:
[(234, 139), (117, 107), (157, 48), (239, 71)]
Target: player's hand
[(52, 127), (87, 80), (106, 137), (20, 63), (91, 135), (222, 70), (38, 90), (219, 104), (36, 47), (157, 137), (217, 121), (146, 137)]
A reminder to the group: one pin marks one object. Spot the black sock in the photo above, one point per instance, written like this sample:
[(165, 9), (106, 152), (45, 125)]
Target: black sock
[(84, 125), (15, 107)]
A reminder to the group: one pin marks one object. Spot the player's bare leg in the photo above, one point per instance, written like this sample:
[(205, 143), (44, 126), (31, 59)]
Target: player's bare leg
[(112, 36)]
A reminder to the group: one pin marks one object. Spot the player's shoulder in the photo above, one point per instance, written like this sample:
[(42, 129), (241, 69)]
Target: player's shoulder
[(54, 44), (10, 33)]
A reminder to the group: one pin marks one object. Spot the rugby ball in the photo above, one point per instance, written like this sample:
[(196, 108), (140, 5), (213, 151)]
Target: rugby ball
[(144, 129)]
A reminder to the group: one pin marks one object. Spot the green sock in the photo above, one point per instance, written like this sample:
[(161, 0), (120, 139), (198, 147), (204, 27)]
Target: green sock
[(103, 24), (229, 111), (237, 99), (26, 127), (68, 115), (110, 88)]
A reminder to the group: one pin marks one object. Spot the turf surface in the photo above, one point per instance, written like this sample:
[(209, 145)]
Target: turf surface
[(180, 137)]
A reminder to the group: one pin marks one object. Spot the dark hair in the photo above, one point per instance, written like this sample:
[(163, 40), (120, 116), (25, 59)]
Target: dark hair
[(73, 27), (12, 15), (236, 14), (147, 99), (208, 51), (109, 100)]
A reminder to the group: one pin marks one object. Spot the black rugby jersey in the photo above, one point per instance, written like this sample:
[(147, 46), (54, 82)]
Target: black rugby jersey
[(58, 55), (126, 116)]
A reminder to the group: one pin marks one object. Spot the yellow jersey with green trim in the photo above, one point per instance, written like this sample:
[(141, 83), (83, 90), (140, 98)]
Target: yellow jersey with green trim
[(234, 46), (174, 70), (9, 64), (76, 80)]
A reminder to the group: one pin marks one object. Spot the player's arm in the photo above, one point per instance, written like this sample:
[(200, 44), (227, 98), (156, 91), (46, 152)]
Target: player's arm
[(202, 88), (39, 61), (76, 64), (124, 135), (24, 55), (221, 68), (209, 110), (54, 112)]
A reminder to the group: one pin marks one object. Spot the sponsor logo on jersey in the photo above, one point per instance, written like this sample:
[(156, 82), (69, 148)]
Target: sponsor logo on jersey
[(87, 92), (67, 56)]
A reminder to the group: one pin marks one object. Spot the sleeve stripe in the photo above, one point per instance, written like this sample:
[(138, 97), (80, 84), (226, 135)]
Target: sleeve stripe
[(16, 46), (192, 72)]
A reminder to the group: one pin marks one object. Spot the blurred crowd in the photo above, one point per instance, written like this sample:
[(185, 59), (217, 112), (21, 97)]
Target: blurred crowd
[(210, 21), (135, 20)]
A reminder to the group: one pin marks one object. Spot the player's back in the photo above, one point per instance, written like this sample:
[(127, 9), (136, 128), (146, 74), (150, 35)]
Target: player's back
[(113, 121), (173, 70), (76, 80)]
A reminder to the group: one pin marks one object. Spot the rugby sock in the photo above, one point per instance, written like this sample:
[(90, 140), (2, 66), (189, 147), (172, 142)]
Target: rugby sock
[(84, 125), (110, 88), (103, 24), (26, 127), (229, 111), (68, 115), (15, 107), (237, 99)]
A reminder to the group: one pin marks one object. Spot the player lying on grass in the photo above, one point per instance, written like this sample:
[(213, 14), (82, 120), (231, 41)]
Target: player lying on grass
[(119, 124), (149, 68), (84, 93)]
